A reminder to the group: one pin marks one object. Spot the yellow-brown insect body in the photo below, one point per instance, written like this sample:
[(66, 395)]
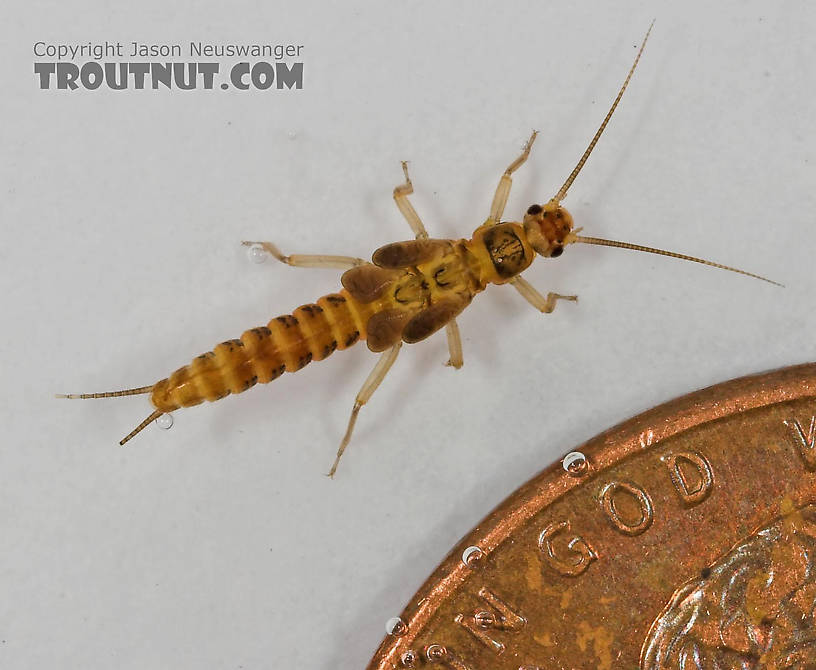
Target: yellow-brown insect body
[(503, 251), (416, 289), (286, 344), (548, 228), (407, 292)]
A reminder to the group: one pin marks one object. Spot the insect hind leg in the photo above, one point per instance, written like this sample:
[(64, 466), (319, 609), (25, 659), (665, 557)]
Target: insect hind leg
[(369, 386), (454, 345), (308, 260)]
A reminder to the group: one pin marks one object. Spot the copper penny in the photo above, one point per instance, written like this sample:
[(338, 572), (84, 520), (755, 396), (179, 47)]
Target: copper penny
[(682, 538)]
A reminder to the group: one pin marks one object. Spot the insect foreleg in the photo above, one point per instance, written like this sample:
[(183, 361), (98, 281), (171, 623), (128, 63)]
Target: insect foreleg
[(371, 383), (506, 182), (531, 295), (309, 260)]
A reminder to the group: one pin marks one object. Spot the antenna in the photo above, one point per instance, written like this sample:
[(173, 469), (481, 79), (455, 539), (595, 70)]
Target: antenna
[(562, 192), (660, 252)]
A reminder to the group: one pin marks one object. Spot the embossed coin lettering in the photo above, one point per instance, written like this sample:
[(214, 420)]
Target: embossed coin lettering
[(613, 497), (804, 441), (438, 654), (689, 544), (579, 553), (692, 488), (499, 616)]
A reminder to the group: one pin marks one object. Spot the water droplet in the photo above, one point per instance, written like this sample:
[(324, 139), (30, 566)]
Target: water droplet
[(435, 653), (257, 254), (575, 463), (484, 619), (165, 421), (292, 135), (396, 626), (471, 556), (408, 659)]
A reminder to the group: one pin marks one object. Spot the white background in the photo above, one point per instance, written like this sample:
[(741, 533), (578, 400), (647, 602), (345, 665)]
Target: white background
[(221, 544)]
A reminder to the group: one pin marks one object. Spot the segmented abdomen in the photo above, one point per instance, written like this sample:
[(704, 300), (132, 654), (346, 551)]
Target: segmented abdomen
[(286, 344)]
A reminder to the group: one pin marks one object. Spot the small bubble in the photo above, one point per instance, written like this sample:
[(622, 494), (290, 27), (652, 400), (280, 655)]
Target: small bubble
[(471, 556), (408, 659), (484, 619), (165, 421), (575, 463), (396, 626), (435, 653), (257, 254)]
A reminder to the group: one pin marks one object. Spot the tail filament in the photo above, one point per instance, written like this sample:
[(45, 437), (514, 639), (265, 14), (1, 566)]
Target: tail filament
[(155, 415), (107, 394)]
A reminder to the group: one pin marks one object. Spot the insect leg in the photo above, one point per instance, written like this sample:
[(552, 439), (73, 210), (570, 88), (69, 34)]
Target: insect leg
[(454, 345), (371, 383), (401, 194), (309, 260), (506, 182), (531, 295)]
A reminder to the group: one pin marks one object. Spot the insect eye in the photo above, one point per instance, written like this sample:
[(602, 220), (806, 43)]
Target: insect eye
[(555, 253), (534, 209)]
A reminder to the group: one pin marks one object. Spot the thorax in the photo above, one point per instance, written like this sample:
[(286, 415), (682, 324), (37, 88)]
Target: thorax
[(500, 251), (450, 274)]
